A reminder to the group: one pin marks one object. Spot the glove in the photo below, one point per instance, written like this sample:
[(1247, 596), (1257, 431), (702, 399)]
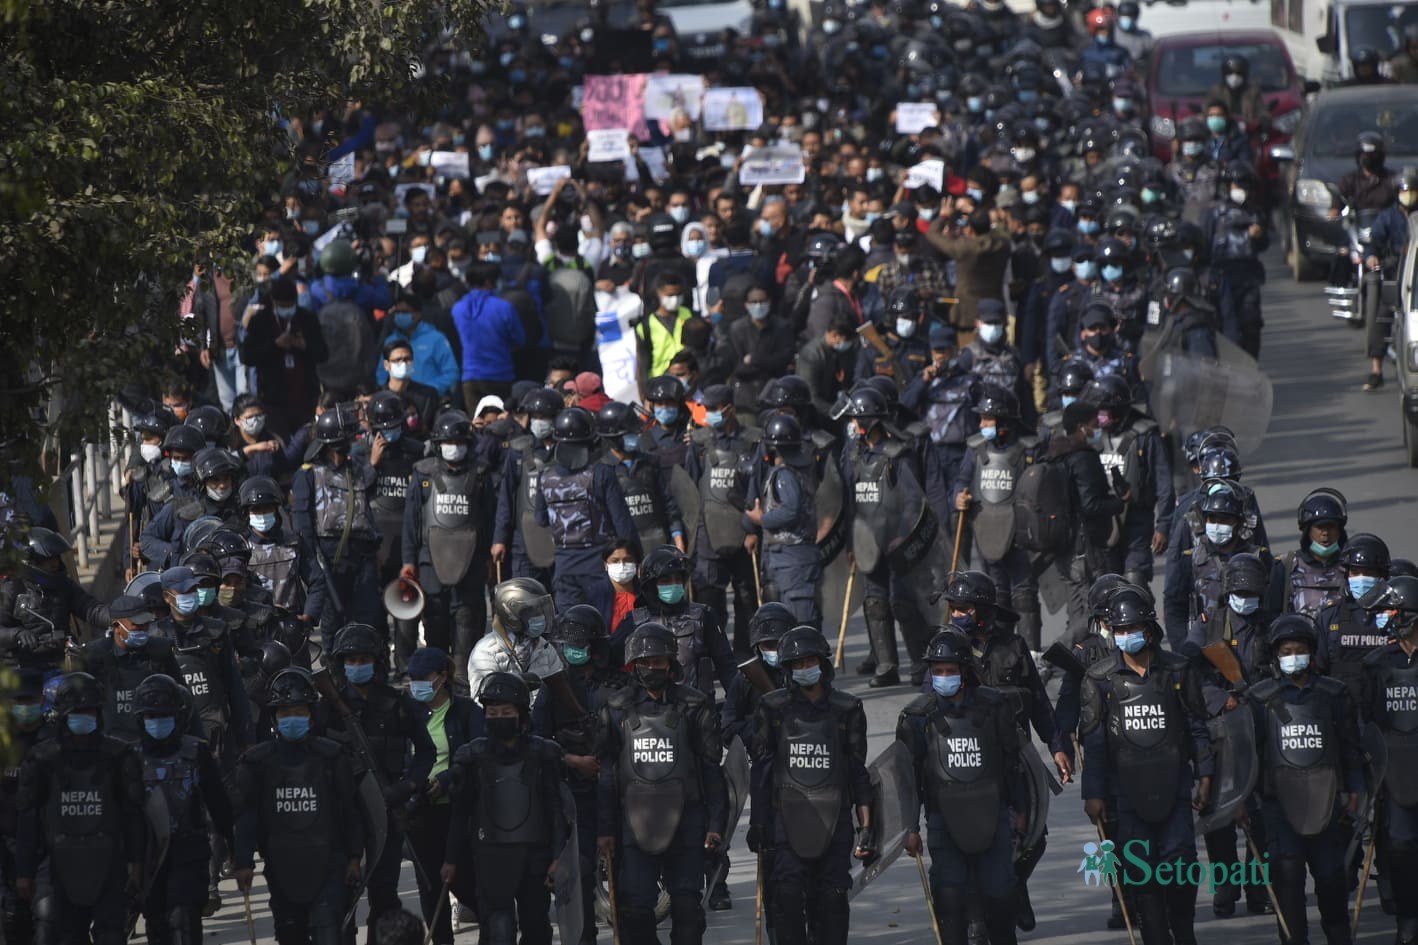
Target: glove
[(865, 840), (758, 839), (26, 639), (397, 793)]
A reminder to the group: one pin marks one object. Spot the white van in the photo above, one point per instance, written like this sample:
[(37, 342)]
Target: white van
[(1322, 34)]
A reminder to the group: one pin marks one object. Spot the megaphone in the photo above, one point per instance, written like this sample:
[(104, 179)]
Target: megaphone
[(403, 599)]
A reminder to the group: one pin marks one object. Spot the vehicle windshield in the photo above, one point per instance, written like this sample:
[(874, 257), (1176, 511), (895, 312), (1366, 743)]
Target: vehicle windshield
[(1335, 127), (1191, 71), (1379, 27)]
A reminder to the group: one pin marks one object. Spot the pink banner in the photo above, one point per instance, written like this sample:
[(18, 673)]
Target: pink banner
[(615, 101)]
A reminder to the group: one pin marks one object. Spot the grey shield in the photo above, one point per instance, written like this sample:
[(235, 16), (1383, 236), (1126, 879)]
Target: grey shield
[(1041, 784), (376, 818), (452, 551), (159, 820), (919, 529), (566, 878), (831, 528), (832, 593), (1192, 393), (541, 550), (894, 800), (1233, 739), (686, 494), (736, 775)]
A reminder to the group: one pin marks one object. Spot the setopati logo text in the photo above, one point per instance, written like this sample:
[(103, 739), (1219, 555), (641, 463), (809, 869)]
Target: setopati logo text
[(1102, 866)]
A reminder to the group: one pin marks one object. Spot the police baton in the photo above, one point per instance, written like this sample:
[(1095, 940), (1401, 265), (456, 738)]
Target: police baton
[(846, 614), (610, 892), (1363, 883), (930, 900), (959, 537), (1270, 890), (250, 922), (438, 911), (1118, 890), (758, 905), (757, 578)]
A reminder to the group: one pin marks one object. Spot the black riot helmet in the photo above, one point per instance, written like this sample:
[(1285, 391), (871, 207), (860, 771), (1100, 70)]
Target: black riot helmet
[(452, 426), (1131, 606), (159, 695), (1323, 505), (357, 639), (196, 534), (617, 419), (505, 689), (155, 423), (803, 643), (820, 248), (665, 389), (789, 390), (1191, 447), (1111, 250), (541, 402), (769, 623), (997, 402), (184, 438), (971, 587), (579, 625), (868, 406), (1100, 591), (291, 686), (1109, 392), (224, 544), (1245, 573), (783, 432), (1398, 593), (1235, 64), (904, 305), (1074, 377), (1397, 567), (210, 421), (1181, 284), (886, 387), (1225, 502), (337, 426), (949, 645), (1364, 550), (666, 561), (385, 410), (273, 657), (651, 640), (260, 491), (78, 691), (1293, 627), (1220, 462), (214, 462), (522, 605), (575, 425), (42, 543), (203, 565)]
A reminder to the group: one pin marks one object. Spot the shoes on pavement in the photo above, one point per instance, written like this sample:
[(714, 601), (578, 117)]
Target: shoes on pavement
[(1375, 382), (891, 678), (719, 900)]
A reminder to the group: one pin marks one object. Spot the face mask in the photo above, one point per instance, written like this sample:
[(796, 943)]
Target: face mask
[(807, 677), (1060, 264), (271, 248), (151, 452), (975, 193), (758, 311), (1130, 642), (285, 312), (679, 214), (1238, 196), (82, 724), (640, 250), (652, 679), (764, 228), (670, 593), (1030, 197), (1103, 39), (875, 174), (293, 727), (1126, 23), (1381, 619), (26, 713), (926, 213), (669, 303), (769, 657), (206, 596), (1069, 205), (1218, 533), (182, 468), (1294, 664), (1122, 105), (989, 433), (421, 690), (186, 604), (621, 572), (630, 443), (137, 639), (1088, 227), (975, 104), (576, 655), (1066, 399), (905, 327), (254, 425), (965, 623), (1191, 148), (537, 625), (715, 418), (844, 346), (1235, 80), (160, 729), (1245, 606), (485, 152), (453, 452), (219, 493), (1323, 551), (400, 370), (1359, 585), (541, 429), (946, 685), (227, 596), (1215, 124), (694, 248), (991, 334), (359, 673), (1085, 270), (1112, 273), (666, 415), (262, 523)]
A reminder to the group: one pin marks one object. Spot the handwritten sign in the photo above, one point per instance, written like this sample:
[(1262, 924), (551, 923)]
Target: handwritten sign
[(914, 117), (615, 101), (450, 163), (543, 179), (607, 144), (927, 173), (775, 165)]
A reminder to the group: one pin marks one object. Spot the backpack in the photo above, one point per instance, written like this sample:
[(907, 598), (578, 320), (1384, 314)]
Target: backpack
[(1043, 508), (354, 350)]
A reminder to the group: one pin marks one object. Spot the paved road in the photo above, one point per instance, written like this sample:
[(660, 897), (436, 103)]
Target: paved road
[(1325, 431)]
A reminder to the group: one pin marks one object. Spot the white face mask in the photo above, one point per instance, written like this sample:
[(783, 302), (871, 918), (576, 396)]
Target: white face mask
[(400, 370), (621, 572), (1024, 155), (151, 452), (693, 249), (679, 214), (541, 428), (1235, 80), (418, 254), (991, 334), (1238, 196), (219, 493), (905, 328), (875, 174), (1218, 532), (669, 303), (254, 425), (453, 452)]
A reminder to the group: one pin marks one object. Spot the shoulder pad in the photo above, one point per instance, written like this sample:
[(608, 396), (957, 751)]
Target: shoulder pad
[(776, 700), (1171, 660), (326, 747), (1330, 686), (1029, 442), (546, 749), (842, 701), (894, 448), (975, 441), (701, 435), (1102, 669), (1265, 690), (919, 707), (690, 696), (1376, 655), (821, 439), (621, 698), (697, 609), (1144, 425), (260, 751), (521, 443), (640, 615), (426, 466)]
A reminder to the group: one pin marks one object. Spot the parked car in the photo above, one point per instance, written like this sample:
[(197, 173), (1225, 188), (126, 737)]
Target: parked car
[(1323, 152), (1405, 343)]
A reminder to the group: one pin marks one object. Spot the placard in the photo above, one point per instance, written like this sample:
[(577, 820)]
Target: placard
[(774, 165), (341, 170), (665, 93), (914, 117), (542, 180), (607, 144), (735, 109), (615, 101), (450, 163), (927, 172)]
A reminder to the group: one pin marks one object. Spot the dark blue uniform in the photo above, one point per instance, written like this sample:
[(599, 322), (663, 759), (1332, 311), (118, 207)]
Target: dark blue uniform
[(600, 511), (1389, 700), (1133, 449), (1239, 273), (319, 512), (791, 559), (510, 495)]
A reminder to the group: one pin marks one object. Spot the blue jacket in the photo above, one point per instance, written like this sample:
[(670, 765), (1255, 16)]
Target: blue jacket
[(434, 364), (1388, 236), (367, 295), (491, 331)]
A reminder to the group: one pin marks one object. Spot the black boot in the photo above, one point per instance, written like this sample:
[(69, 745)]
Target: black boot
[(833, 917), (1407, 930), (1181, 914), (1149, 916), (686, 920), (882, 634), (637, 926), (1287, 879), (1000, 919), (1332, 896), (952, 913), (1115, 918)]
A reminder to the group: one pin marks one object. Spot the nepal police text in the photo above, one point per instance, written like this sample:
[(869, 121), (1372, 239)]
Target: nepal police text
[(1144, 716), (296, 800), (1401, 699), (81, 804), (809, 755), (1301, 735), (653, 751), (963, 753)]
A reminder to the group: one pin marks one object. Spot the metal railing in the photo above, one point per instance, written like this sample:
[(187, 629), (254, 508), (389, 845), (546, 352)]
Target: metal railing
[(93, 479)]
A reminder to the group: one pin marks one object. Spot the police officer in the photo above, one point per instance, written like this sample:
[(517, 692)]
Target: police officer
[(517, 539), (1074, 377), (281, 563), (403, 752), (662, 798), (181, 767), (644, 482), (177, 477), (997, 457), (1140, 473), (1097, 345), (1237, 231), (942, 395), (582, 503), (703, 651), (300, 812), (1313, 573), (80, 805), (1120, 288), (506, 787), (809, 773), (784, 509), (38, 604), (522, 616), (991, 358), (392, 455), (1348, 632), (720, 462), (1389, 680), (146, 468), (26, 727), (909, 352), (1307, 736), (1190, 320), (1095, 644), (330, 510), (1194, 586), (961, 737), (766, 628), (1144, 733), (665, 396), (216, 472), (123, 659), (443, 547)]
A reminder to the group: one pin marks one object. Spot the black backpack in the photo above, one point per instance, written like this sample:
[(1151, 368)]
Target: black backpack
[(354, 349), (1043, 508)]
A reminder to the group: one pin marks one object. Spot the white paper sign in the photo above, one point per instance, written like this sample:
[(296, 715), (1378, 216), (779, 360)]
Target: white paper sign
[(654, 159), (543, 179), (615, 342), (914, 117), (737, 109), (927, 172), (450, 163), (665, 93), (608, 144), (775, 165), (342, 170)]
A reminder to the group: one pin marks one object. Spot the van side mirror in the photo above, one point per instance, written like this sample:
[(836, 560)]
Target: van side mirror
[(1325, 44)]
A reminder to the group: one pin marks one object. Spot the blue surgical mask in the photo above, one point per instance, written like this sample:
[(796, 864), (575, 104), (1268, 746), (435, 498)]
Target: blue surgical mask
[(1219, 533), (975, 194), (715, 418), (965, 623), (670, 593), (537, 625), (769, 657), (262, 523), (359, 673), (1112, 273), (1359, 585), (485, 152), (576, 655), (1066, 399), (421, 690), (764, 228), (181, 468), (392, 434), (989, 433), (26, 713), (630, 442), (81, 724), (1089, 227), (293, 727), (187, 604), (1294, 664), (1126, 23), (1243, 605), (1381, 619), (975, 104), (1323, 551), (1060, 264), (271, 248), (807, 677), (403, 320), (1085, 269), (206, 596), (286, 312), (160, 729), (137, 639), (946, 685), (667, 415), (1130, 642)]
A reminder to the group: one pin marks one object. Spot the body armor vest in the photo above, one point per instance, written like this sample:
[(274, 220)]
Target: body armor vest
[(576, 520), (342, 495)]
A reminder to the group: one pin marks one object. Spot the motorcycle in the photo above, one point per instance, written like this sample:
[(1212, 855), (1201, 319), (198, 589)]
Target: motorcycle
[(1354, 296)]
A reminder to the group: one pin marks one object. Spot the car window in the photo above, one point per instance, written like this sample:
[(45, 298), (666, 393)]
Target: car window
[(1379, 27), (1191, 71), (1335, 126)]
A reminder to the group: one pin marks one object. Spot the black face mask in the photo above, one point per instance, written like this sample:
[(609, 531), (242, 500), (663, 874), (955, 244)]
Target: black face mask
[(653, 679), (504, 728)]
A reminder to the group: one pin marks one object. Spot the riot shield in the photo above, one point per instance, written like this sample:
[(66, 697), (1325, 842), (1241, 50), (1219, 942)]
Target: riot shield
[(566, 878), (541, 549), (376, 818), (832, 593), (1040, 782), (1233, 739), (736, 775), (894, 797), (686, 495), (1190, 392), (159, 821), (831, 524)]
